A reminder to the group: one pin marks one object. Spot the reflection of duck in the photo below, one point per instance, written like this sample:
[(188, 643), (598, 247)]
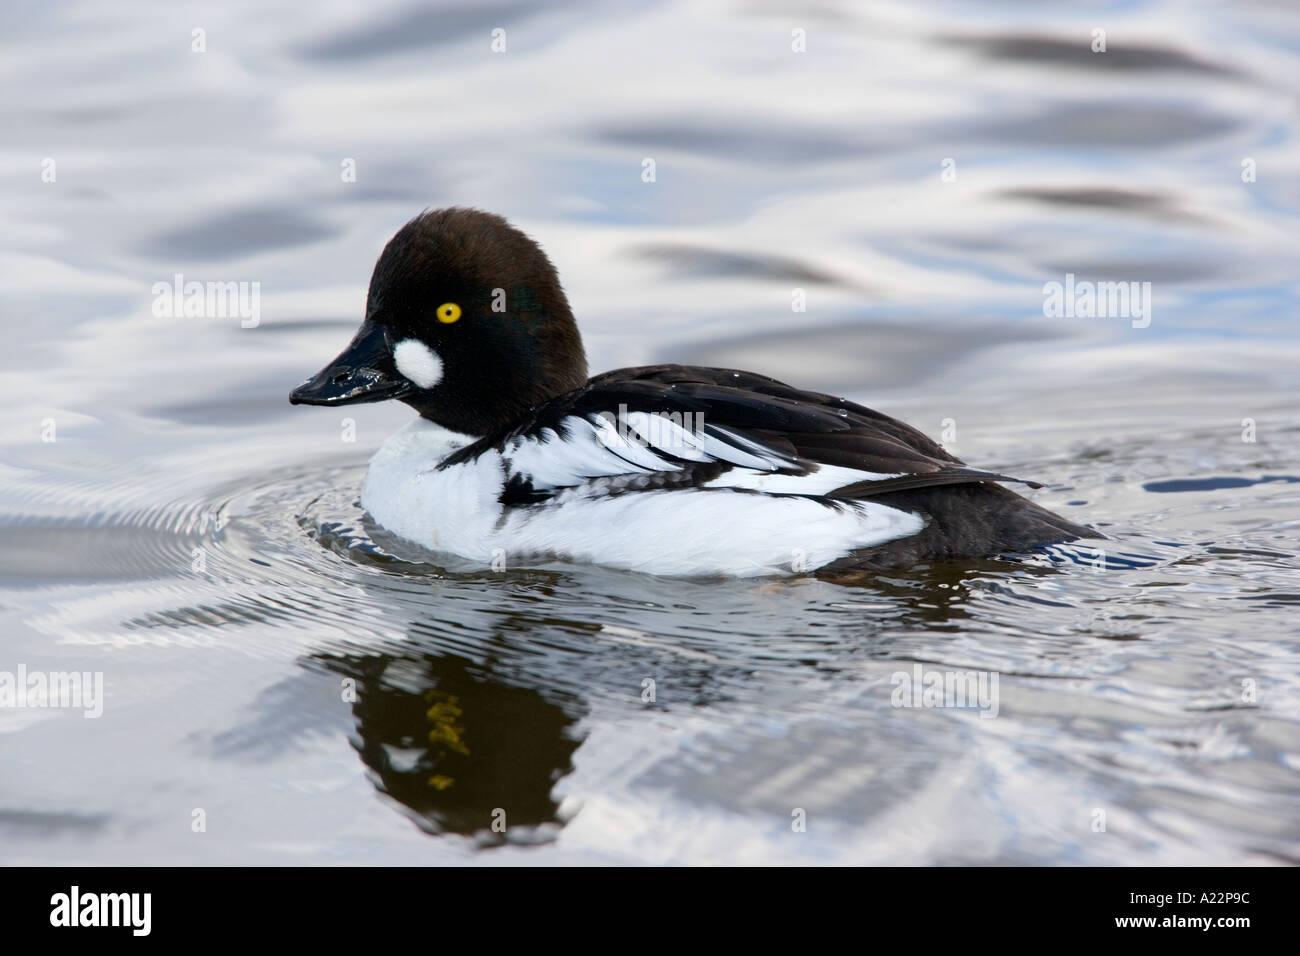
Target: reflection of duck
[(460, 752), (671, 469), (453, 740)]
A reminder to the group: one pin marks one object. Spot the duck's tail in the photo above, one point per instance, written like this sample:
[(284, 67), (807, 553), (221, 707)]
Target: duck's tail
[(967, 521)]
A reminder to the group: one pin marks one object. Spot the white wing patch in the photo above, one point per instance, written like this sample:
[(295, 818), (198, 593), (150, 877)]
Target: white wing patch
[(637, 443), (820, 482), (587, 450), (642, 443)]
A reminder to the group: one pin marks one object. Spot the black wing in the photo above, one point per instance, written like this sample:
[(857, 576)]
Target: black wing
[(674, 426)]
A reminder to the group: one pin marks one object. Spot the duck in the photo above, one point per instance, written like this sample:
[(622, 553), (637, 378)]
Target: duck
[(517, 456)]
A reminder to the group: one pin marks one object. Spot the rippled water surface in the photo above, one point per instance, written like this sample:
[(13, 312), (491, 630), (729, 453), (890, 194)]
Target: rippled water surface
[(313, 690)]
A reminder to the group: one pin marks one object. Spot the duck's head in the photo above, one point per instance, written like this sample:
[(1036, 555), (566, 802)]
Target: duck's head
[(465, 322)]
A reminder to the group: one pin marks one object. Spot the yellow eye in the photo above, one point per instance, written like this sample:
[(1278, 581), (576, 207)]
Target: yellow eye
[(448, 312)]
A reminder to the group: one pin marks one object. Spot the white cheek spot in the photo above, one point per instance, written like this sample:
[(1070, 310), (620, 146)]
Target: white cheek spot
[(418, 362)]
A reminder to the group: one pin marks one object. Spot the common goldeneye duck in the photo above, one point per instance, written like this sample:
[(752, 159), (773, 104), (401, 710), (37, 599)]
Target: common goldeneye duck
[(668, 469)]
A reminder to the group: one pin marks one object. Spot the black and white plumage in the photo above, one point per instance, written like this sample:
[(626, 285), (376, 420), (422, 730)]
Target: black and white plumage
[(720, 428), (668, 469)]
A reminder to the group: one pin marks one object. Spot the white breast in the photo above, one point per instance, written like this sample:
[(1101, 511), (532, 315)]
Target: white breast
[(685, 532)]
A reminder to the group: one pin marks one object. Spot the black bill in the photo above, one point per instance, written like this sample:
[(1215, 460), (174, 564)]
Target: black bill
[(364, 372)]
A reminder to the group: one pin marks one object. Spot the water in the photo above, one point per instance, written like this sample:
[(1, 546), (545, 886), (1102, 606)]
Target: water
[(311, 690)]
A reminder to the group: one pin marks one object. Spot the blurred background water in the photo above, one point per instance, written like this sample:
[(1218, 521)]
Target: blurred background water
[(920, 171)]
